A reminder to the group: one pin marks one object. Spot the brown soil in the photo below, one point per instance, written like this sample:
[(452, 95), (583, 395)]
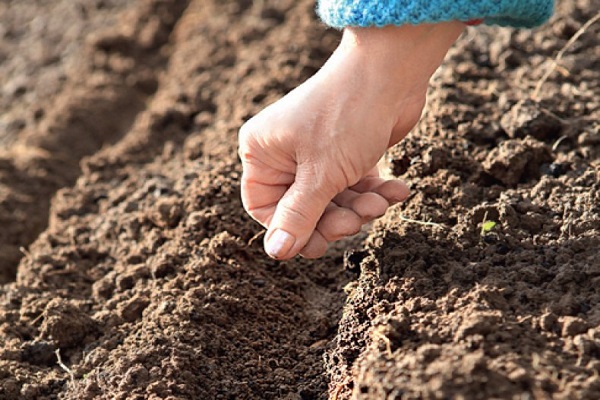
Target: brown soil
[(119, 182)]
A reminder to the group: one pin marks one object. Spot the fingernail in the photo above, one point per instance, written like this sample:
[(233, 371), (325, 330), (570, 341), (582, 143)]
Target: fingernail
[(279, 243)]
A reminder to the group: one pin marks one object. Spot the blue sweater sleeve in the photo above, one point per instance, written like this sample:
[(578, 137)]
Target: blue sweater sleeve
[(363, 13)]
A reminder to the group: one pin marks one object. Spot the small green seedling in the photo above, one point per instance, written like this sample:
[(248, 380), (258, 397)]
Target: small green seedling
[(486, 226)]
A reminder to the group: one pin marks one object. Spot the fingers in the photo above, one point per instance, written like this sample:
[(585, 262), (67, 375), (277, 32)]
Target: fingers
[(338, 222), (393, 190), (298, 212), (260, 200), (335, 224), (367, 205), (294, 215), (316, 246), (299, 222), (372, 196), (262, 186)]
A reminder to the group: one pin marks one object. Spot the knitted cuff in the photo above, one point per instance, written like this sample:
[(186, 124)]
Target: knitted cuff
[(364, 13)]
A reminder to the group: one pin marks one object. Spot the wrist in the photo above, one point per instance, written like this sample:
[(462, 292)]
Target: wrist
[(401, 52)]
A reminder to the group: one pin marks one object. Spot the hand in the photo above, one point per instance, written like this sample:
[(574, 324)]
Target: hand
[(310, 159)]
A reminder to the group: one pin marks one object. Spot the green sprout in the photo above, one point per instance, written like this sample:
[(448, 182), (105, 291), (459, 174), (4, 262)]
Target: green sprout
[(487, 226)]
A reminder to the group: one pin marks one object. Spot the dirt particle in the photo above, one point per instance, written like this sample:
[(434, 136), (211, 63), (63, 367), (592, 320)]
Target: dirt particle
[(167, 213), (38, 352), (589, 138), (555, 169), (548, 322), (428, 353), (163, 267), (103, 288), (31, 391), (158, 387), (519, 374), (65, 324), (193, 147), (479, 323), (133, 309), (516, 160), (529, 118), (136, 376), (585, 346), (572, 326)]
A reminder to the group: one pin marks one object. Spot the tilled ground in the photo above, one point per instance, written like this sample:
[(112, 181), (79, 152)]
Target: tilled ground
[(145, 278)]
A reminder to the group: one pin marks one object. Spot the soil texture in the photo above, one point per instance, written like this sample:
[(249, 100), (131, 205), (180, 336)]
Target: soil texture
[(129, 269)]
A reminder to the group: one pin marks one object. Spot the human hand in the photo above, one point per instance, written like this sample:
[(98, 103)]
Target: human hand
[(310, 159)]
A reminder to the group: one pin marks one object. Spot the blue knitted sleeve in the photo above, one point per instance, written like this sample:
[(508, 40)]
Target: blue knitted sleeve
[(517, 13)]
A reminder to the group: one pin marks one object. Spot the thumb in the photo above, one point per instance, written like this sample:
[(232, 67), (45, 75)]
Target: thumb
[(297, 213)]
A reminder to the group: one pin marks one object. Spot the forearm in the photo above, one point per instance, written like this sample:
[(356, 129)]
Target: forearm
[(394, 63)]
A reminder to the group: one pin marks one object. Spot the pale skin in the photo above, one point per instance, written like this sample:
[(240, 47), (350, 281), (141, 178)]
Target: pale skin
[(310, 159)]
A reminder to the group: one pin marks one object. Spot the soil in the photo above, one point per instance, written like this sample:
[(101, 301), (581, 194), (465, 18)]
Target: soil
[(130, 270)]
